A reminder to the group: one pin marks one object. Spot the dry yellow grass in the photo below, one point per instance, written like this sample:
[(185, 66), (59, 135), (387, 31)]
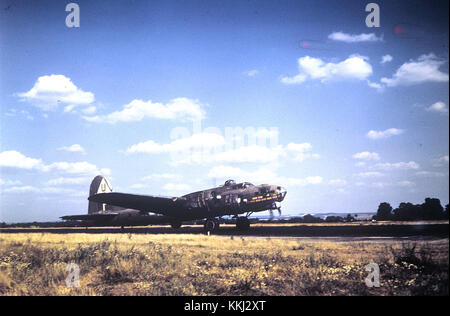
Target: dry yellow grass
[(138, 264)]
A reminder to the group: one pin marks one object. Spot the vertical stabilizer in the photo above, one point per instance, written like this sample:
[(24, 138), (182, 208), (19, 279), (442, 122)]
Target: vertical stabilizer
[(98, 185)]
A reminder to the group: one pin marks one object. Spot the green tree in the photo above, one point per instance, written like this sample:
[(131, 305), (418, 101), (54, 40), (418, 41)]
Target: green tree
[(408, 212), (433, 209), (384, 212), (308, 218)]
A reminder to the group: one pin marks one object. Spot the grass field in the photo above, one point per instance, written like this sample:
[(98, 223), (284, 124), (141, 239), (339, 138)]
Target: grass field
[(184, 264)]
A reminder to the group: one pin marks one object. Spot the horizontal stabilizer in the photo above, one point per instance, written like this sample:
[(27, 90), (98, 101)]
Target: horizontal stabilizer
[(88, 217)]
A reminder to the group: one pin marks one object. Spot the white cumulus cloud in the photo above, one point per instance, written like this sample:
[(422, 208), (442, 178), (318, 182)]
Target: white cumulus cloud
[(76, 168), (196, 141), (439, 107), (386, 59), (15, 159), (212, 148), (75, 148), (440, 162), (354, 67), (180, 109), (354, 38), (424, 69), (300, 152), (365, 155), (50, 91), (384, 134)]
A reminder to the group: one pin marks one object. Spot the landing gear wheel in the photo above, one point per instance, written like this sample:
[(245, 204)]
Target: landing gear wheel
[(211, 225), (242, 223), (175, 225)]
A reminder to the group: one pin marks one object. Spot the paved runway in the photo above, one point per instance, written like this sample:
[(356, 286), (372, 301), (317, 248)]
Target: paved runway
[(343, 232)]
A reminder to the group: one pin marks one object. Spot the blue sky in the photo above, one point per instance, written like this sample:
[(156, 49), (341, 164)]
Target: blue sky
[(295, 93)]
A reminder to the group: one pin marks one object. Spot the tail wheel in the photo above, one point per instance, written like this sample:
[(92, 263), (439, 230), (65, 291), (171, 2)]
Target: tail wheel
[(242, 223), (211, 225)]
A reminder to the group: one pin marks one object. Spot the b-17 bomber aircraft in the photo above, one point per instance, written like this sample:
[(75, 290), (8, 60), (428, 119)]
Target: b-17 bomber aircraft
[(108, 208)]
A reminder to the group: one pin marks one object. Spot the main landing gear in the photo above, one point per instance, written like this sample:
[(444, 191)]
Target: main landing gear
[(211, 225), (175, 224), (242, 223)]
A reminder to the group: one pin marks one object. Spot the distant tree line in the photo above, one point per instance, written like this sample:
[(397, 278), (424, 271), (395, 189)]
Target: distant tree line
[(308, 218), (431, 209)]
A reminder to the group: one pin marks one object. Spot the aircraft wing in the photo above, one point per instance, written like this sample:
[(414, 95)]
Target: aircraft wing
[(88, 217), (146, 203)]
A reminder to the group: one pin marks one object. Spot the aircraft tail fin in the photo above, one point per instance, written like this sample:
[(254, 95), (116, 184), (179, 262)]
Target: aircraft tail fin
[(98, 185)]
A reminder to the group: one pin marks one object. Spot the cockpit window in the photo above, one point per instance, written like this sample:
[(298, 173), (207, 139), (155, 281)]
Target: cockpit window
[(229, 182), (264, 190)]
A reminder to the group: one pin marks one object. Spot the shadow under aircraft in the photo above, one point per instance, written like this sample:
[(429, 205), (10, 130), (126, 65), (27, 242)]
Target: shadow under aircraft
[(108, 208)]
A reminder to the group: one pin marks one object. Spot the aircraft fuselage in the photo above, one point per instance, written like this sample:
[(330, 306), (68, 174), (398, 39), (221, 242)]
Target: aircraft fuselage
[(233, 199)]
